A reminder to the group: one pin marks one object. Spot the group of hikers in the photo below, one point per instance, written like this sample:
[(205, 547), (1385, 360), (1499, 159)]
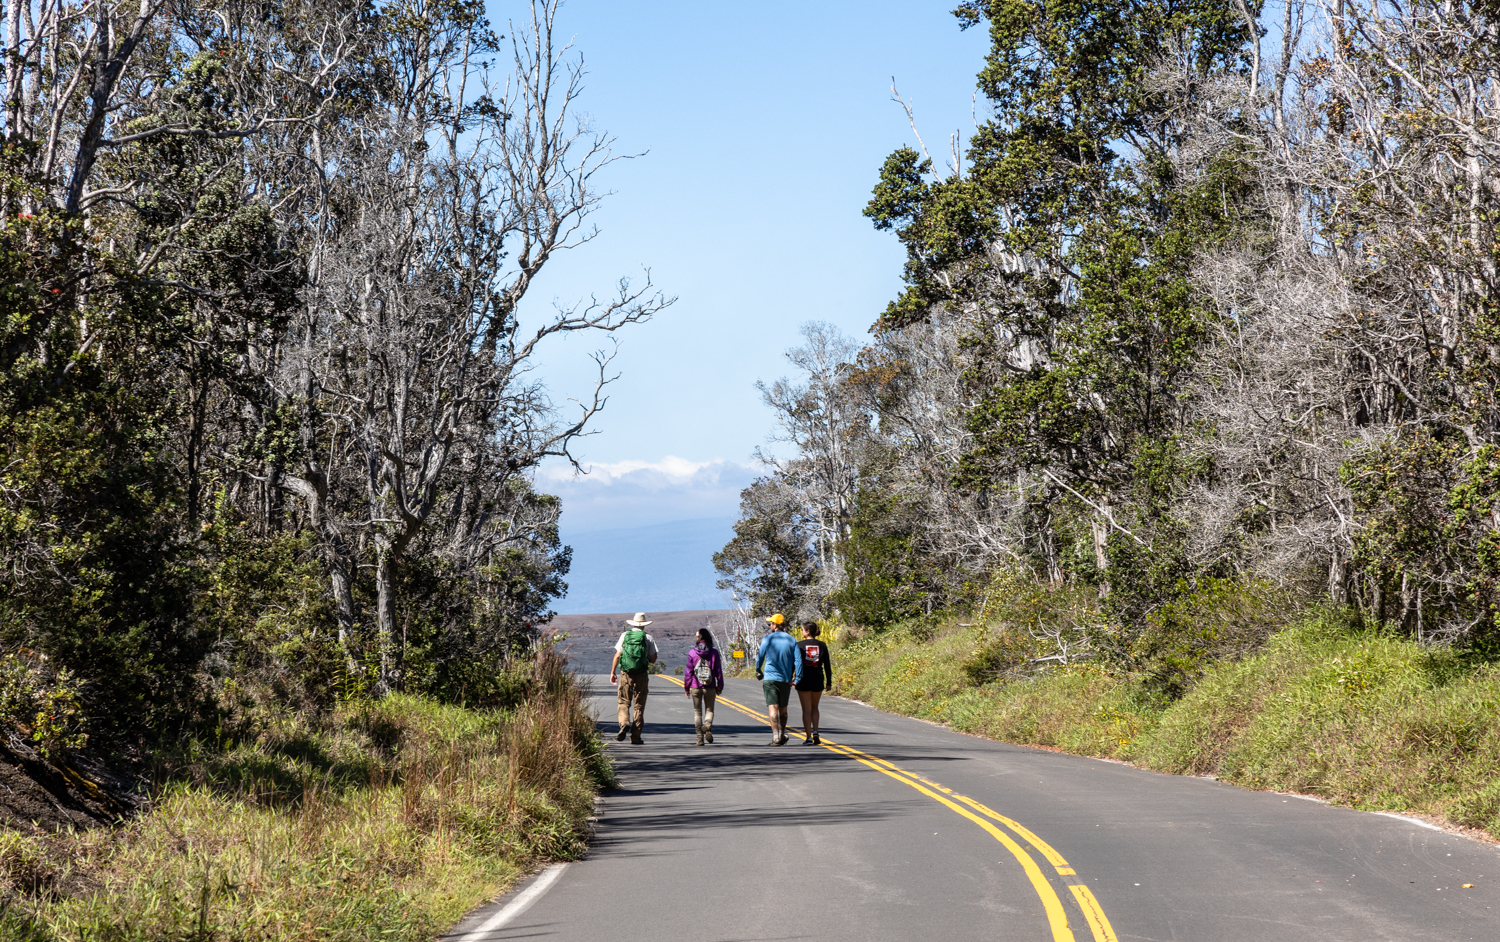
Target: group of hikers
[(782, 663)]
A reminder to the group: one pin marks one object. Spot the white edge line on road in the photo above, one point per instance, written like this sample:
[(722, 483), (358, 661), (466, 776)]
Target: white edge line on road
[(1417, 821), (519, 905)]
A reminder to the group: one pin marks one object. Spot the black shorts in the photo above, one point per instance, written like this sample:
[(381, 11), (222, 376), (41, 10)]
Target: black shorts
[(810, 686), (778, 692)]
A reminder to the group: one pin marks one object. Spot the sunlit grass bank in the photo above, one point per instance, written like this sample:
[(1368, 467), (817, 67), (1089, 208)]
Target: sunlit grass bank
[(388, 821), (1351, 715)]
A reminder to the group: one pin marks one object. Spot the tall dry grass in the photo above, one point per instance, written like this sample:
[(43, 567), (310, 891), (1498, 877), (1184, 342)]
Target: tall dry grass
[(388, 821)]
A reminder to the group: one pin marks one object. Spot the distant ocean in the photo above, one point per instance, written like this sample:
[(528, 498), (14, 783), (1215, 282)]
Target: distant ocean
[(665, 567)]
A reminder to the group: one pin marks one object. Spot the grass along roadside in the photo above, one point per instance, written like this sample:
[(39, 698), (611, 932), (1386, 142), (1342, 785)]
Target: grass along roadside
[(389, 821), (1353, 716)]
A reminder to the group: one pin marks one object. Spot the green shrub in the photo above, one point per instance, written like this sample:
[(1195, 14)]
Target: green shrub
[(1036, 624), (42, 703), (266, 599), (1008, 652), (97, 576), (892, 575), (1210, 622)]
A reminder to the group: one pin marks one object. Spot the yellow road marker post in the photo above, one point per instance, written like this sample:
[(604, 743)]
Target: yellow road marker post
[(1057, 918)]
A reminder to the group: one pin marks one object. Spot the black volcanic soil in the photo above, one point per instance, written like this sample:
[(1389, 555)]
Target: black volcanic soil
[(590, 642), (36, 795)]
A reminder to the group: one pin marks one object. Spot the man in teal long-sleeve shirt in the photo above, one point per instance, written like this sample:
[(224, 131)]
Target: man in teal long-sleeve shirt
[(778, 665)]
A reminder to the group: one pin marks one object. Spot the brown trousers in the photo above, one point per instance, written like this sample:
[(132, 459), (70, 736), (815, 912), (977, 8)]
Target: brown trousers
[(703, 709), (633, 703)]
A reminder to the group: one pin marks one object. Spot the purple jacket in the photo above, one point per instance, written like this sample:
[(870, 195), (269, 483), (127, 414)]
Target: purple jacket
[(715, 663)]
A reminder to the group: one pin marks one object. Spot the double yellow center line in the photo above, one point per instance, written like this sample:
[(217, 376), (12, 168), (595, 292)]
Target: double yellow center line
[(962, 805)]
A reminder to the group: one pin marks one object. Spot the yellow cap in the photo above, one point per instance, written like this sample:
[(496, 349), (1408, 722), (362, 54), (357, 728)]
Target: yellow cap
[(777, 619)]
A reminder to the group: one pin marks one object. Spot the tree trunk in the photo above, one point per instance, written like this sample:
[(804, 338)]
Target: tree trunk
[(1338, 578), (385, 615), (313, 489), (1100, 528), (1408, 616), (343, 603), (197, 419)]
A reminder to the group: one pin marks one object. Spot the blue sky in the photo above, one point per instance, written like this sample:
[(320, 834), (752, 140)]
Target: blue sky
[(762, 127)]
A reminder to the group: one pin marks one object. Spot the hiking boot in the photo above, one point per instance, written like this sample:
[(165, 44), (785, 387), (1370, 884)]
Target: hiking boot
[(637, 741), (783, 740), (700, 739), (775, 740), (620, 736), (708, 734), (816, 740)]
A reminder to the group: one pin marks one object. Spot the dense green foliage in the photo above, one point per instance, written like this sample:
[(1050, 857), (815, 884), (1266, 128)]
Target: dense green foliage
[(1197, 333), (266, 431), (771, 555), (1098, 327)]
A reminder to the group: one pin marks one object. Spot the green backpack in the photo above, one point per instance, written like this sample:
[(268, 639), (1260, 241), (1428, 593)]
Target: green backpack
[(633, 652)]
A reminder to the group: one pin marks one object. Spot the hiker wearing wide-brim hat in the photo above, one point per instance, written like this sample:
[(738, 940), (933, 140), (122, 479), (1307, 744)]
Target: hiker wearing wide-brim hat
[(635, 652)]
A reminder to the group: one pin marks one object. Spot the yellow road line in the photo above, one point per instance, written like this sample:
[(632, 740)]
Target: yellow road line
[(1046, 850), (1051, 903), (1053, 857), (1094, 913)]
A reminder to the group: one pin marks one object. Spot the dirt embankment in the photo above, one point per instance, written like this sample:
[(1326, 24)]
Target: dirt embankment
[(591, 639), (80, 792)]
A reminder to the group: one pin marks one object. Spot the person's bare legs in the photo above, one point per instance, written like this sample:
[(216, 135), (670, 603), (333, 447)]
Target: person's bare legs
[(778, 721), (810, 700)]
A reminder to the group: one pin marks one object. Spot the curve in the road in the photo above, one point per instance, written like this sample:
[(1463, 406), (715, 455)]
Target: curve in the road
[(1052, 905)]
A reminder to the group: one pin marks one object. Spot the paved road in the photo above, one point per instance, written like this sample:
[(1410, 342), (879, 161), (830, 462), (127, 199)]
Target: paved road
[(903, 830)]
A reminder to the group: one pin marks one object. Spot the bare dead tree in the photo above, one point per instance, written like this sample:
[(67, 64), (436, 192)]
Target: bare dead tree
[(413, 361), (817, 416)]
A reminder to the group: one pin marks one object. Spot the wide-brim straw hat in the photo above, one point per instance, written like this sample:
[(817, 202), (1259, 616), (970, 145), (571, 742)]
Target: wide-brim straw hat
[(639, 621)]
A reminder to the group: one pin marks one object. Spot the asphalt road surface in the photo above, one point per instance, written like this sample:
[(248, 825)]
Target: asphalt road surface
[(897, 829)]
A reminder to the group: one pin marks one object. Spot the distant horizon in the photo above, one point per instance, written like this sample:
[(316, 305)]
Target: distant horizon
[(665, 567), (655, 613)]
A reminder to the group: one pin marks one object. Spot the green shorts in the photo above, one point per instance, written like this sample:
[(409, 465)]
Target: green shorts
[(778, 692)]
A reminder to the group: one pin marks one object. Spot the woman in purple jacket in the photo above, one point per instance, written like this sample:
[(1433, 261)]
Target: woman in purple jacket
[(703, 681)]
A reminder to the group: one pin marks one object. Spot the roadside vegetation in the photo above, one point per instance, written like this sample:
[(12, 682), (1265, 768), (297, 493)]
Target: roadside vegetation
[(383, 819), (1181, 443), (274, 565), (1330, 706)]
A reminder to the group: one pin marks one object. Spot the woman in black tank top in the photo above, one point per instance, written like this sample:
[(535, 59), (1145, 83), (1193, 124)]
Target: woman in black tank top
[(817, 676)]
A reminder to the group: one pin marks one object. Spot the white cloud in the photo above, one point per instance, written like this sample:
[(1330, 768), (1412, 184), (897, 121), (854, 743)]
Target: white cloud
[(635, 493), (671, 468)]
